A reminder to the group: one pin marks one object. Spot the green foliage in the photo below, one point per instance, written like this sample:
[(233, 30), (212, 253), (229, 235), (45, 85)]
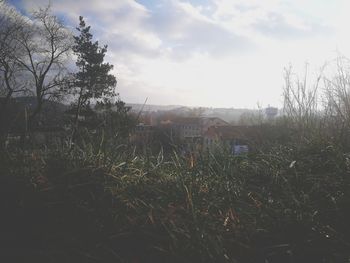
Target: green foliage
[(105, 204), (93, 80), (116, 118)]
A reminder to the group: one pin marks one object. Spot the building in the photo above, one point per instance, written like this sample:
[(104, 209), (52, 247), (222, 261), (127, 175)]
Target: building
[(271, 112), (188, 128), (232, 138), (212, 122), (195, 127)]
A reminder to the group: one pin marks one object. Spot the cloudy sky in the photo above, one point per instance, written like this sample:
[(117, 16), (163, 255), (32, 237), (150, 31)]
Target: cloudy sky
[(220, 53)]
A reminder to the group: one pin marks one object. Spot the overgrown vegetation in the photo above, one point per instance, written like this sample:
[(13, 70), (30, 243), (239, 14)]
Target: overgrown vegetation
[(288, 204), (288, 200)]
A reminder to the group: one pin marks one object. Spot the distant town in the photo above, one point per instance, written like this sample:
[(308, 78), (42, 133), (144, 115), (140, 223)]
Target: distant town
[(197, 128), (191, 129)]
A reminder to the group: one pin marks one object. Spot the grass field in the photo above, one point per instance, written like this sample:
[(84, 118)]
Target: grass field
[(290, 203)]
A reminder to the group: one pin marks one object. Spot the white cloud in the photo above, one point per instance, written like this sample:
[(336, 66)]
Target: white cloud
[(218, 52)]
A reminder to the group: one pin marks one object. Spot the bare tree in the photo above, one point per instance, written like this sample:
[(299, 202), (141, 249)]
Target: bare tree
[(337, 98), (301, 99), (11, 79), (46, 44)]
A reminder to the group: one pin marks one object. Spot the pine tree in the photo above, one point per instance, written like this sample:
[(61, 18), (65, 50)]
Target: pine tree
[(93, 80)]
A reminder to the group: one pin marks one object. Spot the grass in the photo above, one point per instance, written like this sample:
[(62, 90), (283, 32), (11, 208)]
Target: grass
[(288, 204)]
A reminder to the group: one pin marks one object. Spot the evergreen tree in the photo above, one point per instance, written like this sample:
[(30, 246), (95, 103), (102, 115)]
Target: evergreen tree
[(93, 80)]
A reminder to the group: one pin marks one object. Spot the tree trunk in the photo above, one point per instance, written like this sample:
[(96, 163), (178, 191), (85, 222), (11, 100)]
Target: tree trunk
[(36, 111), (4, 104), (76, 119)]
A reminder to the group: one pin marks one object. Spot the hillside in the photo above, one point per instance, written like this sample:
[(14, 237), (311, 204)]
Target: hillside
[(227, 114)]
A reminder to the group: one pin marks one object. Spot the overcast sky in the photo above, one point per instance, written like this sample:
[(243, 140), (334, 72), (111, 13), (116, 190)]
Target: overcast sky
[(219, 53)]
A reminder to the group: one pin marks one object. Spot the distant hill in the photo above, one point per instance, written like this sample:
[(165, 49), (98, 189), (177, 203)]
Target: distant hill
[(227, 114), (149, 107)]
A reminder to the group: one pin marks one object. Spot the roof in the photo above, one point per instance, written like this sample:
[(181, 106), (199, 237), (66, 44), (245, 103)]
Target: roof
[(213, 119)]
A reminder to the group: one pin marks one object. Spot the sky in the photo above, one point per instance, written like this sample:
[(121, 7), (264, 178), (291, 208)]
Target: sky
[(213, 53)]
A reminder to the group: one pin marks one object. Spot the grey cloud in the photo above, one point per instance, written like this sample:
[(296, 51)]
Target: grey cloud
[(186, 34), (181, 34)]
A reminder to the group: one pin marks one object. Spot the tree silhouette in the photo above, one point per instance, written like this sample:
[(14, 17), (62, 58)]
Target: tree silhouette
[(46, 44), (92, 81)]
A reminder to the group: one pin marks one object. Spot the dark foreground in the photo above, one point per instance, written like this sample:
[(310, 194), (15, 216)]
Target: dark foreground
[(290, 204)]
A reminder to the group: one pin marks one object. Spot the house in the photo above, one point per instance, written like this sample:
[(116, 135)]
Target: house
[(188, 128), (271, 112), (195, 127), (212, 121), (232, 138)]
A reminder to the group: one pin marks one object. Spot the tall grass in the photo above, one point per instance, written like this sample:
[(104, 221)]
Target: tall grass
[(288, 204), (288, 200)]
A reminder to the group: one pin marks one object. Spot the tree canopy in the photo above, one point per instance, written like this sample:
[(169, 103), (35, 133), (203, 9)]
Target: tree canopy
[(93, 80)]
